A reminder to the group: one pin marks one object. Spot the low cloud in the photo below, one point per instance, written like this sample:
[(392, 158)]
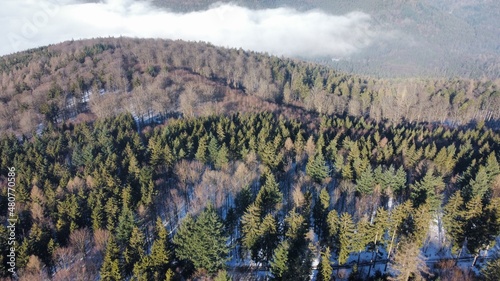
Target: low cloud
[(283, 31)]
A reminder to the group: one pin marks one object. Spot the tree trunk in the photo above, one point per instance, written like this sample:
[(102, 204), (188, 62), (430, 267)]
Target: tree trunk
[(390, 249), (374, 260), (474, 261)]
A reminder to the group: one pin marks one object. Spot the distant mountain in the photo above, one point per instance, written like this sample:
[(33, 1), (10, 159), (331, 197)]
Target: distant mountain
[(434, 38)]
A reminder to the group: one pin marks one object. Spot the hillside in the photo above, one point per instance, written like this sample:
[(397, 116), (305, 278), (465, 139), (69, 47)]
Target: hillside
[(82, 80), (142, 159)]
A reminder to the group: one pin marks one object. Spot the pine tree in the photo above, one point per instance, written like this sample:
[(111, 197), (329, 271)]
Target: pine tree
[(250, 223), (222, 157), (157, 153), (125, 226), (379, 228), (333, 222), (398, 215), (267, 241), (428, 190), (480, 184), (481, 226), (213, 149), (421, 217)]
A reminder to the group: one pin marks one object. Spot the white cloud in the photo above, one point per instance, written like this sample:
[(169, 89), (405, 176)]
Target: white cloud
[(29, 23)]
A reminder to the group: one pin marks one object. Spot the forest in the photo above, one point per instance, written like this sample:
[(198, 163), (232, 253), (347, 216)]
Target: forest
[(170, 160)]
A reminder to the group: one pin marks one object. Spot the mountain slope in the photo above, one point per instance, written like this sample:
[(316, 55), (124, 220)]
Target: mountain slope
[(156, 78)]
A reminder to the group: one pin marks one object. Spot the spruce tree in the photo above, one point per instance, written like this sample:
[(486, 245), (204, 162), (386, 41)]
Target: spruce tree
[(362, 236), (320, 213), (316, 167), (250, 224), (365, 182), (346, 235), (325, 269), (160, 255), (202, 241), (201, 152), (279, 263), (222, 275), (333, 222), (134, 250), (269, 195), (453, 221), (491, 271), (110, 269)]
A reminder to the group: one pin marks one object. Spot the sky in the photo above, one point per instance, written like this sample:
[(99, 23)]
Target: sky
[(27, 24)]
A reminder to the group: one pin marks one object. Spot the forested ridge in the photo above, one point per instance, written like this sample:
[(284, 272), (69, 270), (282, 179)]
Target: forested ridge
[(154, 78), (167, 160)]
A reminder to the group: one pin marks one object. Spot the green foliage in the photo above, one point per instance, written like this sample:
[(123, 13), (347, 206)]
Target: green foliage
[(325, 268), (453, 221), (279, 264), (222, 275), (428, 190), (269, 195), (320, 213), (345, 235), (202, 241), (492, 270), (316, 167), (110, 270)]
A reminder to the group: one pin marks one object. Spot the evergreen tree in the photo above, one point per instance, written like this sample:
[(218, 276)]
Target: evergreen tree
[(222, 157), (333, 222), (213, 149), (491, 271), (365, 182), (160, 256), (325, 269), (421, 218), (279, 263), (201, 152), (428, 190), (222, 275), (362, 236), (110, 269), (263, 249), (453, 221), (316, 167), (134, 251), (269, 195), (250, 223), (346, 235), (202, 241), (408, 262), (320, 213)]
